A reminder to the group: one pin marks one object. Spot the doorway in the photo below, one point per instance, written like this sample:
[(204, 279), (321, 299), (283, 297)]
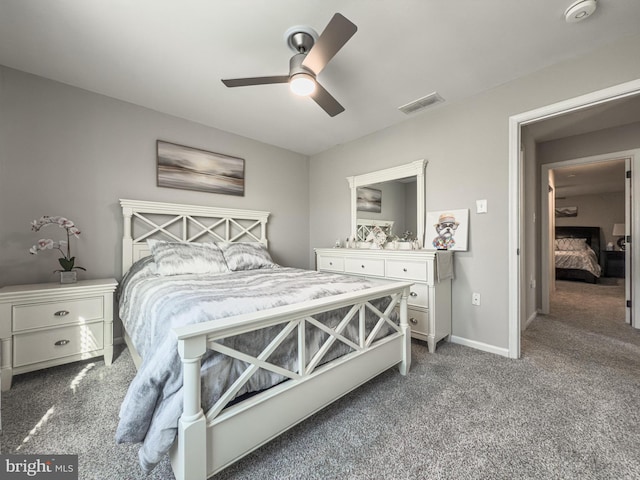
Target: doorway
[(518, 254), (588, 192)]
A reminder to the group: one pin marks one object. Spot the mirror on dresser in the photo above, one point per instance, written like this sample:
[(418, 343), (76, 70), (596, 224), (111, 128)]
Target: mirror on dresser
[(401, 191), (392, 199)]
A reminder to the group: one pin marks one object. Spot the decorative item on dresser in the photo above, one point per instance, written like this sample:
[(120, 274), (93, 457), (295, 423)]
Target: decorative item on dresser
[(340, 331), (430, 298), (48, 324)]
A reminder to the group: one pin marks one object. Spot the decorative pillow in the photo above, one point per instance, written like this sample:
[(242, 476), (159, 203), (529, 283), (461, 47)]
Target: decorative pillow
[(571, 244), (176, 258), (246, 255)]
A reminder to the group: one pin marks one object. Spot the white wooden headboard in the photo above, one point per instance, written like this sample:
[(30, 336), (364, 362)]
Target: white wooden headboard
[(185, 223)]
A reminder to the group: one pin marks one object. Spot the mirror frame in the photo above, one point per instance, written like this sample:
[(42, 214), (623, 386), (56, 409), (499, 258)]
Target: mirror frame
[(415, 168)]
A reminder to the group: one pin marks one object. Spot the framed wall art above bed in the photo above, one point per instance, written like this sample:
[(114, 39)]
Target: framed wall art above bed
[(194, 169), (291, 348)]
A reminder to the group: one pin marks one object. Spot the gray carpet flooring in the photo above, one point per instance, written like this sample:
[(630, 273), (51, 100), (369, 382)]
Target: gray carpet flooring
[(568, 409)]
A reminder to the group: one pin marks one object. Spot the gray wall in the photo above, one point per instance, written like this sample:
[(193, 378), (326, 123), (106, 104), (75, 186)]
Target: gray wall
[(69, 152), (599, 210), (615, 139), (466, 144)]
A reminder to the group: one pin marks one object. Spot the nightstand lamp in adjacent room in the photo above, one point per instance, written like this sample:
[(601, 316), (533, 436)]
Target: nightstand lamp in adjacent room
[(618, 231)]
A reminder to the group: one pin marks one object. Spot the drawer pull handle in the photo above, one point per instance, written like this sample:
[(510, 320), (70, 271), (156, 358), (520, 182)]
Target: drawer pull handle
[(330, 263), (60, 343), (61, 313), (404, 269), (362, 266), (413, 320), (413, 294)]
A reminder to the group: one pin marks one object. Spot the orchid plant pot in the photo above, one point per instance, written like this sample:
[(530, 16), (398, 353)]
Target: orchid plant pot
[(68, 277)]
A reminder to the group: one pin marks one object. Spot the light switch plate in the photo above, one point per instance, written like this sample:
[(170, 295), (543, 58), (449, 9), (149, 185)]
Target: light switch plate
[(481, 206)]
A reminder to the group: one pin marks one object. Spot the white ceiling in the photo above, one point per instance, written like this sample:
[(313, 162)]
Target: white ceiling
[(590, 179), (170, 55)]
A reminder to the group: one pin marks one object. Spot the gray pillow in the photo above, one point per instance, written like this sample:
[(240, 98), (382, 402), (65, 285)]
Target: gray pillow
[(246, 255), (177, 258)]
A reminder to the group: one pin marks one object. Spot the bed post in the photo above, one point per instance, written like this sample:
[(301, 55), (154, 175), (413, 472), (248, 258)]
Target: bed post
[(127, 239), (189, 453), (406, 331)]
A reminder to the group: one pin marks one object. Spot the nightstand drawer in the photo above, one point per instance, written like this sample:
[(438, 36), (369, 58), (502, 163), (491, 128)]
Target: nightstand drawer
[(364, 266), (26, 317), (56, 343), (335, 264), (407, 270)]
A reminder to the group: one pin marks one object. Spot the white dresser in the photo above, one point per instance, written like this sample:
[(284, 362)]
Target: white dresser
[(430, 299), (43, 325)]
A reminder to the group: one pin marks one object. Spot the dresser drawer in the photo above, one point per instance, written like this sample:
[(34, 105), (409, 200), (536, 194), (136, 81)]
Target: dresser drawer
[(418, 321), (419, 295), (365, 266), (26, 317), (335, 264), (407, 270), (34, 347)]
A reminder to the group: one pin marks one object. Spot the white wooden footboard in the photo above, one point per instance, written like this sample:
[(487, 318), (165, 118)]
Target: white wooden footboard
[(209, 442)]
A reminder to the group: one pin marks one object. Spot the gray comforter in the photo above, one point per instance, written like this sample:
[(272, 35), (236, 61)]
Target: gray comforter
[(578, 259), (152, 305)]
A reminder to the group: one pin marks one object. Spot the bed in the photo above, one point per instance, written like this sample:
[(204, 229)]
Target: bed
[(577, 253), (342, 336)]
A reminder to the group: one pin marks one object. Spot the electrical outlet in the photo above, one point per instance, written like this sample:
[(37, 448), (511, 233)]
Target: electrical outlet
[(475, 299)]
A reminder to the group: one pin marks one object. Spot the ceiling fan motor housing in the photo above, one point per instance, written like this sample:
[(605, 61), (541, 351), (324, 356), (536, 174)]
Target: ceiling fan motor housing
[(295, 65)]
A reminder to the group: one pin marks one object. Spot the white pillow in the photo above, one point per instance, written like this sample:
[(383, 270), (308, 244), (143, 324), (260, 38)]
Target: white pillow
[(246, 255), (571, 244), (177, 258)]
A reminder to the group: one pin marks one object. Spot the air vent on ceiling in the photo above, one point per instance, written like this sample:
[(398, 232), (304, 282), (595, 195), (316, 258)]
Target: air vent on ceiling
[(421, 103)]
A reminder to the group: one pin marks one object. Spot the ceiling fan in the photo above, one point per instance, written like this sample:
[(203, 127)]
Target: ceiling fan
[(312, 55)]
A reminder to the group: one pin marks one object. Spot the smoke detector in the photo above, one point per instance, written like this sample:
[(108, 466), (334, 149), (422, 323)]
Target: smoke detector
[(579, 10)]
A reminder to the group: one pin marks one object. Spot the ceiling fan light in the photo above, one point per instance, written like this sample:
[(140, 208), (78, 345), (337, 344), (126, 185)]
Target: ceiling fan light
[(302, 84)]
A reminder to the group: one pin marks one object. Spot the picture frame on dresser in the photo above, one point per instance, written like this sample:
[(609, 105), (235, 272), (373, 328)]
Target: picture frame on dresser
[(448, 230)]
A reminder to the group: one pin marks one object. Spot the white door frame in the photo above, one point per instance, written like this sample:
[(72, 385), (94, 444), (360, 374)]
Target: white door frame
[(516, 181), (546, 243)]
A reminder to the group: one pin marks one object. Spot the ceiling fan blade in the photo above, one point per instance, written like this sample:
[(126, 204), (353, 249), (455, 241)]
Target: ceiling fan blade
[(335, 35), (246, 82), (326, 101)]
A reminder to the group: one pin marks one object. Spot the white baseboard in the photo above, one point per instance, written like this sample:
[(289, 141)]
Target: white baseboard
[(504, 352), (531, 318)]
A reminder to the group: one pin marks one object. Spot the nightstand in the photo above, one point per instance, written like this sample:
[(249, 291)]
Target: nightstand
[(614, 263), (48, 324)]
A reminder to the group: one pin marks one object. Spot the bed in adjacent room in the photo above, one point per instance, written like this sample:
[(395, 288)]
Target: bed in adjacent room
[(577, 253), (231, 348)]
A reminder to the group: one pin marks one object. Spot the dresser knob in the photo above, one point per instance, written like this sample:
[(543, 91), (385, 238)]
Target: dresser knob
[(413, 320), (61, 313), (60, 343), (330, 263), (404, 269), (362, 266), (413, 294)]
